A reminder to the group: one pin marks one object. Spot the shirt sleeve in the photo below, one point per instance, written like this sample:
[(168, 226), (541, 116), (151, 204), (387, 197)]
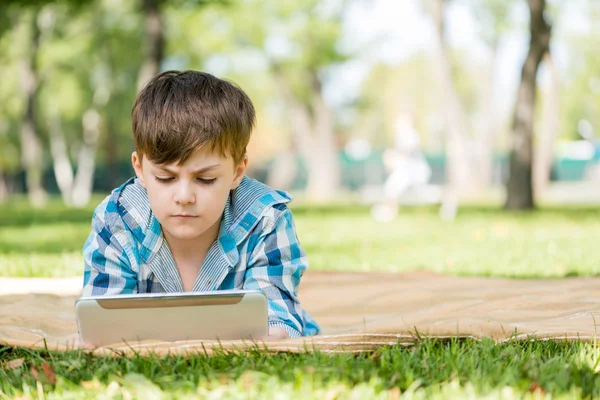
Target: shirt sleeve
[(275, 267), (107, 270)]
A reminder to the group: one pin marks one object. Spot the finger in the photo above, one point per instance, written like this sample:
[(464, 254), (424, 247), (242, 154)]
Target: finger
[(75, 342)]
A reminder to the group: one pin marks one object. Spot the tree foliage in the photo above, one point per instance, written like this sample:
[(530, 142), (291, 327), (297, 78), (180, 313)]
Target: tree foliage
[(283, 53)]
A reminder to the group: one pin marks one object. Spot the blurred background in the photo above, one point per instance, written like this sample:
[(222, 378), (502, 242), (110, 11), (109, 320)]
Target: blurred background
[(492, 100), (414, 113)]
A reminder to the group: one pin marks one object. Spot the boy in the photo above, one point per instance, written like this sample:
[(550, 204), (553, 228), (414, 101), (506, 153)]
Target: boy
[(190, 220)]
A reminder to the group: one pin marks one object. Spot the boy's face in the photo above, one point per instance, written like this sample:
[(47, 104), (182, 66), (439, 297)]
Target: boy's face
[(188, 200)]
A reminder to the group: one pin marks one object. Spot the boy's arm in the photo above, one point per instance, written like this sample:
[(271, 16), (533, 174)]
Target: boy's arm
[(107, 270), (275, 267)]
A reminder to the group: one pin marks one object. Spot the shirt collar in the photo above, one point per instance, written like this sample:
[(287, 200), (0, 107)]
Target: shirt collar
[(243, 210)]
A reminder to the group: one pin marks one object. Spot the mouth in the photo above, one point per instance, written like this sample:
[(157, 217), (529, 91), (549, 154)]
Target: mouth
[(184, 216)]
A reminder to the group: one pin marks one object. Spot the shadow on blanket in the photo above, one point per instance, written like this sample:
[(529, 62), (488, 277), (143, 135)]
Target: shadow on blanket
[(357, 311)]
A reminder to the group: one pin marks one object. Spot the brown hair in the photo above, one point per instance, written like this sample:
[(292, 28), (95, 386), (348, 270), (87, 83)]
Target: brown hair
[(179, 111)]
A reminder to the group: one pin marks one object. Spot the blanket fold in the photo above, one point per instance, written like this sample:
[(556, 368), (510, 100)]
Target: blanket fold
[(357, 312)]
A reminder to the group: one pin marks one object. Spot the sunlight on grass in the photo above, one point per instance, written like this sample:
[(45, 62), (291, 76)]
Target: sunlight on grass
[(60, 265), (430, 369), (549, 243), (47, 238), (492, 244), (256, 385), (485, 242)]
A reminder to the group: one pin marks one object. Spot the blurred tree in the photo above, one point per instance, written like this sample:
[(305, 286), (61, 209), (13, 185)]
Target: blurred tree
[(547, 133), (11, 106), (80, 70), (9, 160), (3, 188), (29, 12), (580, 95), (154, 33), (115, 71), (104, 84), (93, 80), (493, 17), (459, 171), (520, 185), (31, 143), (299, 40), (86, 100), (404, 88), (580, 100), (154, 40), (293, 43)]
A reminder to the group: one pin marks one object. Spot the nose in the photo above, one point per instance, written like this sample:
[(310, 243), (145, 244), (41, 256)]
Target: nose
[(184, 193)]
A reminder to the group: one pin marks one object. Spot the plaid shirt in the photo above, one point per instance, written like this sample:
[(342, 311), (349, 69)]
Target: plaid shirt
[(257, 248)]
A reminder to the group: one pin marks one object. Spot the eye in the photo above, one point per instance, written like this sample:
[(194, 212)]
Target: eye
[(163, 180), (207, 181)]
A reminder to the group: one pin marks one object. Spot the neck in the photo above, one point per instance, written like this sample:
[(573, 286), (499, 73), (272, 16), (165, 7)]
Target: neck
[(190, 247)]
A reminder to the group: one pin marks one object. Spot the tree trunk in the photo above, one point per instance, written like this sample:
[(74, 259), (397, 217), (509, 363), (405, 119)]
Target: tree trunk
[(83, 184), (519, 186), (314, 137), (542, 163), (324, 172), (110, 149), (154, 41), (110, 140), (76, 190), (3, 188), (31, 149), (63, 171), (302, 132), (284, 170), (300, 117), (487, 128), (458, 171)]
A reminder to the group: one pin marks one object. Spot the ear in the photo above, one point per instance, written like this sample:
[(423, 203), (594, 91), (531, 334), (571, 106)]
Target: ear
[(136, 162), (240, 171)]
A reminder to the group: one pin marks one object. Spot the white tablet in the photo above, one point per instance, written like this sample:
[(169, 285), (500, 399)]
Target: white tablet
[(216, 315)]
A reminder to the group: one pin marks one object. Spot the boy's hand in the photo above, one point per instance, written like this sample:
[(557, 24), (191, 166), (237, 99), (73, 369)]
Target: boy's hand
[(74, 342), (275, 334)]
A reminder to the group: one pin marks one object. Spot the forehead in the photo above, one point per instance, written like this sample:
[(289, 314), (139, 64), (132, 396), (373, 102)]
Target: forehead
[(201, 157)]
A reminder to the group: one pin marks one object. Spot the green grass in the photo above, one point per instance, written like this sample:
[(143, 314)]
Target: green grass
[(553, 242), (488, 242), (431, 369)]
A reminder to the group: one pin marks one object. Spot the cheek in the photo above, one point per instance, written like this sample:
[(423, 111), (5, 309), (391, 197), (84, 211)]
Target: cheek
[(218, 199), (158, 197)]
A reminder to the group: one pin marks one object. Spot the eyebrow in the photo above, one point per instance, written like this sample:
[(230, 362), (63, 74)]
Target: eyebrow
[(195, 172)]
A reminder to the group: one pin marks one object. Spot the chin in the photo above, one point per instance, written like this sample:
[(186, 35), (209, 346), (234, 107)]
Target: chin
[(185, 234)]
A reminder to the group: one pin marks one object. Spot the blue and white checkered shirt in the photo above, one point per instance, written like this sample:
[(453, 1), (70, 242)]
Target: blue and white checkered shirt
[(257, 248)]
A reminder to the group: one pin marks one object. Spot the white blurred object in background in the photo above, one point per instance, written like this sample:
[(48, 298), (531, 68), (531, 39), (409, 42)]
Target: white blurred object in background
[(408, 169)]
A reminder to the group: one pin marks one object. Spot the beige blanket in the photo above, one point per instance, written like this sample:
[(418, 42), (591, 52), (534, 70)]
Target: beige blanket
[(357, 311)]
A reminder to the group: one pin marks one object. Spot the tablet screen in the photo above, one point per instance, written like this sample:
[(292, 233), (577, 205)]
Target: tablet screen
[(216, 315)]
